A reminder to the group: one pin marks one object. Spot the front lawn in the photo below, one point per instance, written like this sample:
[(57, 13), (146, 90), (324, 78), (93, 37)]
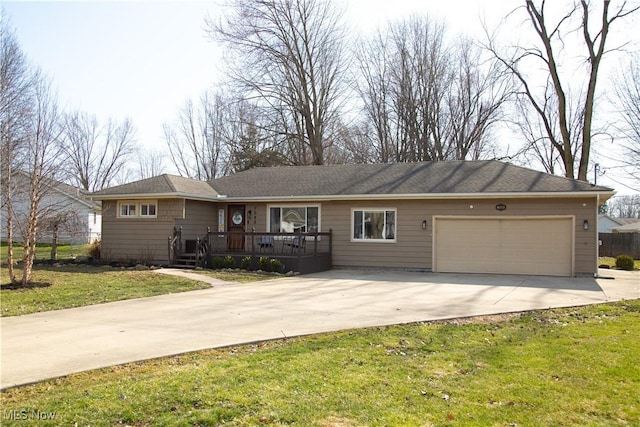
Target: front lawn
[(55, 288), (564, 367)]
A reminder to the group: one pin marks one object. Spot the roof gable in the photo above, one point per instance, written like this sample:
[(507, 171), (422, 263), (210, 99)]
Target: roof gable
[(165, 185)]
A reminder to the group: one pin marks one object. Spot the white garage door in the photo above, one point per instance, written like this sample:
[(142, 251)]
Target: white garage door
[(538, 246)]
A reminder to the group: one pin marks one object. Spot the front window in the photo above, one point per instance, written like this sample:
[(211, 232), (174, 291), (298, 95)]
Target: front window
[(373, 224), (293, 219)]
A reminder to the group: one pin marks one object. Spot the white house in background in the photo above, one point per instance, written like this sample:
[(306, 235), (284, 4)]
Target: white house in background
[(607, 224), (77, 217), (633, 227)]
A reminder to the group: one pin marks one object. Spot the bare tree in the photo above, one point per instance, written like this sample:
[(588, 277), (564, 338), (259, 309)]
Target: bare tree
[(98, 153), (625, 206), (16, 82), (426, 97), (374, 88), (249, 142), (196, 140), (42, 159), (627, 90), (287, 57), (151, 162), (564, 103)]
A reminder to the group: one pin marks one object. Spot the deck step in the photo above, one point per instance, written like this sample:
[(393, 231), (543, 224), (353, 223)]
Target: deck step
[(187, 260)]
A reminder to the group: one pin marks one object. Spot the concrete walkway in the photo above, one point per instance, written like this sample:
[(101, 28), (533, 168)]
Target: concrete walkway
[(52, 344)]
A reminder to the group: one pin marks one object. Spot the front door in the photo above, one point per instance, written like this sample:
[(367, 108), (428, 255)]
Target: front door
[(235, 221)]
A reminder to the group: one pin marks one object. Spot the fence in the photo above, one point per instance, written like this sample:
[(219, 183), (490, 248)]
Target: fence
[(614, 244)]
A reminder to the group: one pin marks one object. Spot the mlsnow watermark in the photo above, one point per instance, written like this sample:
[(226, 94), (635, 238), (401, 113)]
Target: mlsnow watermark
[(27, 415)]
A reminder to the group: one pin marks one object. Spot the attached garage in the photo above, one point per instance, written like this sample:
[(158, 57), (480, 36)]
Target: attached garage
[(504, 245)]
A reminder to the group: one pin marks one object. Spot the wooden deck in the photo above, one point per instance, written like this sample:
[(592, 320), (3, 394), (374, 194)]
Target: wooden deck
[(298, 252)]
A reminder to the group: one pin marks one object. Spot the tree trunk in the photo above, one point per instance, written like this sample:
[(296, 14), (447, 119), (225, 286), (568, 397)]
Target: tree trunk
[(54, 243)]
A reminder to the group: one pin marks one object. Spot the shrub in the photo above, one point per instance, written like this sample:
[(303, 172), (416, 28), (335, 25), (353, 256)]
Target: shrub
[(229, 262), (624, 262), (94, 249), (276, 265), (264, 263), (245, 263), (217, 263)]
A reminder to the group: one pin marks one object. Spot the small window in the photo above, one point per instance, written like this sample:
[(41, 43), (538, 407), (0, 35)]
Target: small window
[(142, 209), (127, 209), (148, 209), (374, 225)]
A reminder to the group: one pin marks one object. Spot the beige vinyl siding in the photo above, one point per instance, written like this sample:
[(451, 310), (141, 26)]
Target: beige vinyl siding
[(129, 238), (198, 215), (410, 250), (139, 239), (413, 249)]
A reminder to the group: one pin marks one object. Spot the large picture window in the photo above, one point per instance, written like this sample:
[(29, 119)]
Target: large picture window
[(374, 224), (293, 219)]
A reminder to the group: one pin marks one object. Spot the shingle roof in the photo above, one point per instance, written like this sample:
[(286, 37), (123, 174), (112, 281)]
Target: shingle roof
[(437, 178), (450, 177), (162, 184)]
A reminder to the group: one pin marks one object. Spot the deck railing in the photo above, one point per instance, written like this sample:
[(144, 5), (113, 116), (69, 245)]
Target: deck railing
[(303, 252), (265, 243), (175, 244)]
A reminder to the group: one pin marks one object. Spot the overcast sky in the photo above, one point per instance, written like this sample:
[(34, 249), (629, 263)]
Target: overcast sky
[(144, 59)]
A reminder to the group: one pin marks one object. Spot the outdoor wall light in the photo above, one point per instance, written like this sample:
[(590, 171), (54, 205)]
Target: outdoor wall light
[(585, 224), (501, 207), (424, 224)]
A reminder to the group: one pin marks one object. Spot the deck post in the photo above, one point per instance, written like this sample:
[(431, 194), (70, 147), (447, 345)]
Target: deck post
[(315, 244), (253, 241)]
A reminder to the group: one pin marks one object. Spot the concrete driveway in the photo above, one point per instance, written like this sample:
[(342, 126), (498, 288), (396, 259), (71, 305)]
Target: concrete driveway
[(52, 344)]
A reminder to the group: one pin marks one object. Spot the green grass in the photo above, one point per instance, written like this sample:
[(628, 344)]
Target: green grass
[(564, 367), (56, 288), (611, 262), (43, 251), (238, 276)]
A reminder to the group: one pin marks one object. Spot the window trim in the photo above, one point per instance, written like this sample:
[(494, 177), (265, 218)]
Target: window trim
[(137, 204), (374, 209), (293, 205)]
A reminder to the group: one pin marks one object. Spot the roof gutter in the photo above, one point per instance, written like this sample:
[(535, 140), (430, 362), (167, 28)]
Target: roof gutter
[(602, 196)]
